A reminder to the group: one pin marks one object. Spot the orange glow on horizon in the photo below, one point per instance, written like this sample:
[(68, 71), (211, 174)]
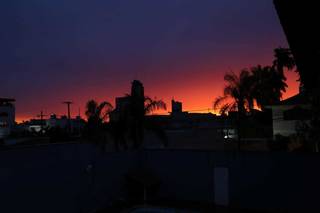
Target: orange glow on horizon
[(197, 98), (194, 100), (21, 119)]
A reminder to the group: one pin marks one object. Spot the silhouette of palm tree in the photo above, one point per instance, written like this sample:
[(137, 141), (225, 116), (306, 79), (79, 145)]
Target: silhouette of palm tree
[(283, 58), (151, 105), (96, 114), (268, 85), (261, 84), (138, 121), (236, 97), (134, 124), (236, 94)]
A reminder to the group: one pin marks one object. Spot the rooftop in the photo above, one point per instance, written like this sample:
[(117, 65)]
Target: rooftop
[(3, 100), (6, 101), (295, 100)]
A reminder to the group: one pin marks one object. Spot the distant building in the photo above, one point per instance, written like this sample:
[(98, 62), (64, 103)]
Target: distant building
[(255, 126), (176, 106), (7, 116), (137, 89), (36, 125), (179, 119), (54, 121), (76, 124), (192, 130), (128, 105), (121, 109)]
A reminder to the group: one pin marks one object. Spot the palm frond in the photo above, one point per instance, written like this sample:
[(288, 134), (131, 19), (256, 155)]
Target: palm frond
[(152, 105), (218, 101), (283, 58), (225, 108), (106, 105), (104, 110), (229, 90), (231, 78), (233, 107), (244, 74)]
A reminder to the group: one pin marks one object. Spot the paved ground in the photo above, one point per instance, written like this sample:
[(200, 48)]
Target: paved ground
[(170, 207)]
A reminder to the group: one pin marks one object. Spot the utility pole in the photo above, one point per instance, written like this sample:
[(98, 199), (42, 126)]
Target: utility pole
[(41, 115), (79, 123), (68, 103)]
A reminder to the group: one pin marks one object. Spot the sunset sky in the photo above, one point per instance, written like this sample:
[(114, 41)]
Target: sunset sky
[(57, 50)]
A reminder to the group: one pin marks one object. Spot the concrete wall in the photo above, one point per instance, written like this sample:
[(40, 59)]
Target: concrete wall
[(256, 179), (56, 178), (188, 139), (276, 181)]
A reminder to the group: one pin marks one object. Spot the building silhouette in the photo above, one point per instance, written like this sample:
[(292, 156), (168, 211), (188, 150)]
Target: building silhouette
[(62, 122), (176, 106), (137, 89), (7, 116), (129, 105)]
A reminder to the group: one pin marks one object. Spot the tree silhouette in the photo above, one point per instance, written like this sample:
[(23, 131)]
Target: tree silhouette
[(138, 122), (263, 85), (269, 82), (237, 96), (133, 123), (151, 105), (283, 58), (96, 114), (268, 85), (236, 93)]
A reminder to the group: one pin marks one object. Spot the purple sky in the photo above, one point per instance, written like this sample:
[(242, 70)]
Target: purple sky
[(78, 49)]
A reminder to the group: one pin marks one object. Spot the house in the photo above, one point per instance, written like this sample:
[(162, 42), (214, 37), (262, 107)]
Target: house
[(76, 124), (34, 125), (289, 114)]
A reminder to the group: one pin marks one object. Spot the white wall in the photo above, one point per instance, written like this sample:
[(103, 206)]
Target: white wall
[(6, 122), (281, 126)]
